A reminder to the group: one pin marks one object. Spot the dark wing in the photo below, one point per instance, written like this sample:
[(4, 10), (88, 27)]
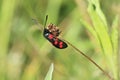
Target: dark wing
[(59, 43)]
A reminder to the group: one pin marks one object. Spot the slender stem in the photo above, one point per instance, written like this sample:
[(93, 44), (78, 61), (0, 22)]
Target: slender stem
[(90, 60)]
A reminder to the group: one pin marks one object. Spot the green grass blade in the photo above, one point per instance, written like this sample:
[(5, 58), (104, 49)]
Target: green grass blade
[(7, 9), (6, 15), (49, 74), (101, 29), (114, 38), (114, 35), (91, 30), (99, 12)]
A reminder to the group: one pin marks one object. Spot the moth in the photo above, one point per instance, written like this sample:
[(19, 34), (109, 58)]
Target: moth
[(51, 33)]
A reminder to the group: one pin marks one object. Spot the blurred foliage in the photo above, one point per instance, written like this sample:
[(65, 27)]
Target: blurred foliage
[(26, 55)]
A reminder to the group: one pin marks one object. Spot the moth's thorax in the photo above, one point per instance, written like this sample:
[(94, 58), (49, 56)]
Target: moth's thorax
[(46, 32), (54, 30)]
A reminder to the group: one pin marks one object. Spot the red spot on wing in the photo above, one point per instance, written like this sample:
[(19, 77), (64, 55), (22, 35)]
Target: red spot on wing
[(56, 41), (50, 36), (61, 44)]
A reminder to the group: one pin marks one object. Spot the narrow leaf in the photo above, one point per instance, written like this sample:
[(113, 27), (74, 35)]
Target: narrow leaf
[(49, 74)]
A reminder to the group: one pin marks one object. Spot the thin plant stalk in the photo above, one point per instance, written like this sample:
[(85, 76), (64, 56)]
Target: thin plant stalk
[(92, 61)]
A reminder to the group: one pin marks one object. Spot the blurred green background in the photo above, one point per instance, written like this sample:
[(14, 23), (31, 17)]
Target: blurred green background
[(26, 55)]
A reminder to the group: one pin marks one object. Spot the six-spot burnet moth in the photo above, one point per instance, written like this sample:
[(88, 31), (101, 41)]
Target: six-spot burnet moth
[(51, 33)]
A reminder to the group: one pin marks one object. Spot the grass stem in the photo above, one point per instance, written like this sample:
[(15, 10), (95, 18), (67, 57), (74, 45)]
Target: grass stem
[(92, 61)]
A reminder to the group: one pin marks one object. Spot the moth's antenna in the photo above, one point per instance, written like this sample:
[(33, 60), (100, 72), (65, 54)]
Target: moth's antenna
[(39, 24), (36, 22), (45, 21)]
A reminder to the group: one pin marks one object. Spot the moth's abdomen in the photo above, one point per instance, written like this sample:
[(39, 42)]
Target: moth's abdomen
[(59, 43)]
